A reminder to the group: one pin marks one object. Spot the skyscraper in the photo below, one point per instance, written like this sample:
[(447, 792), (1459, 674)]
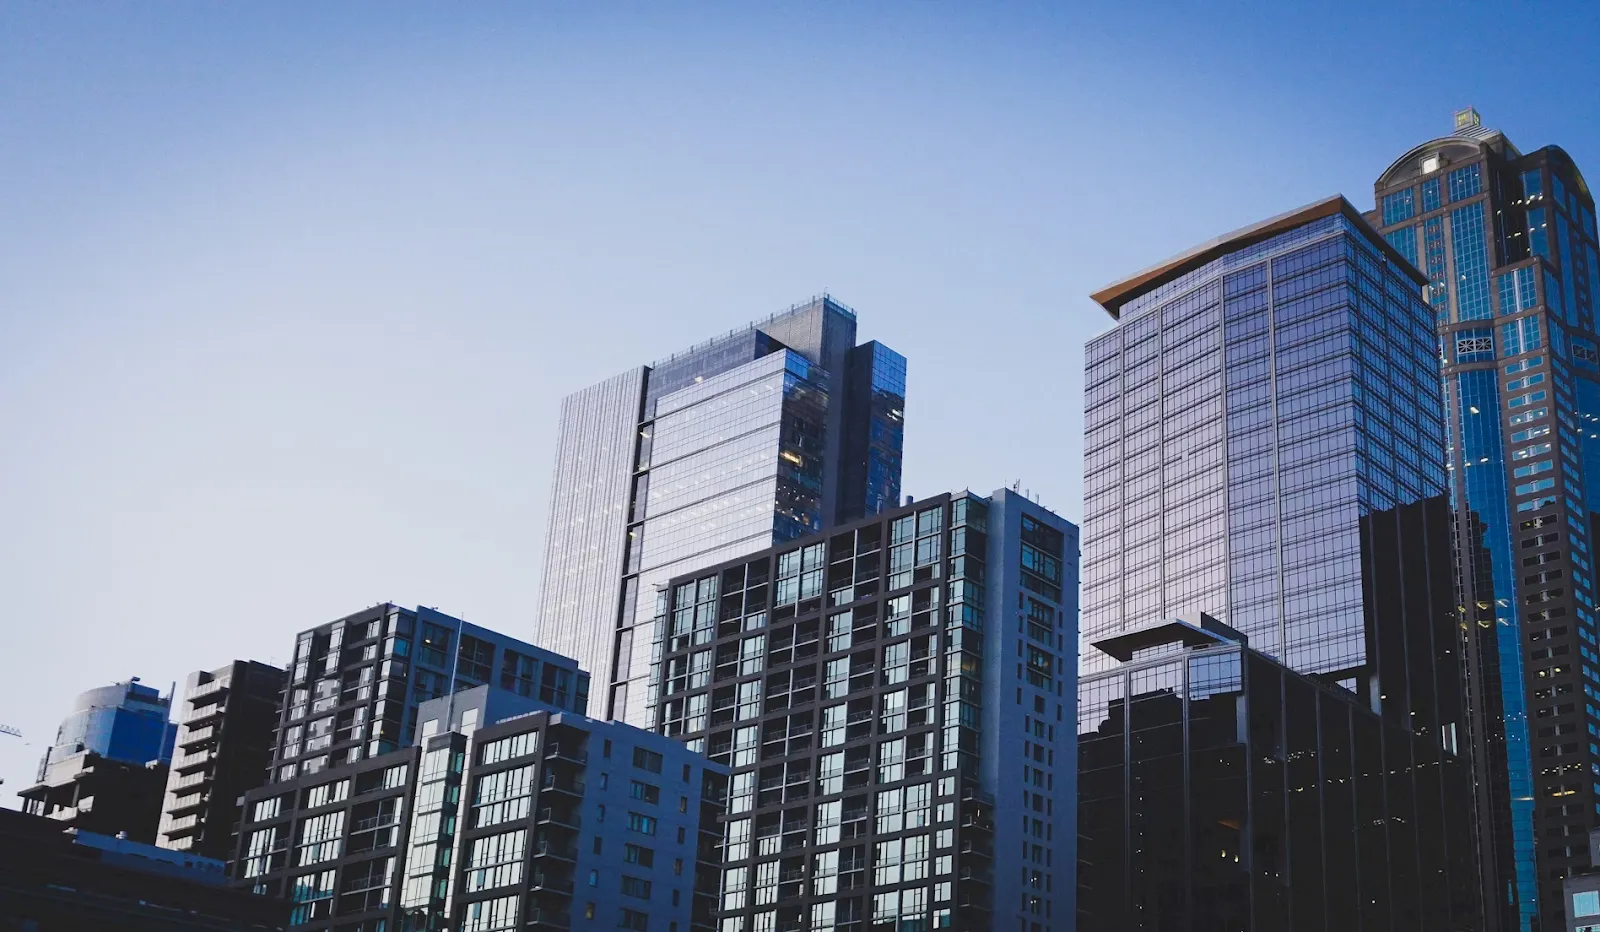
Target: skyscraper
[(1507, 243), (1264, 457), (894, 699), (777, 430)]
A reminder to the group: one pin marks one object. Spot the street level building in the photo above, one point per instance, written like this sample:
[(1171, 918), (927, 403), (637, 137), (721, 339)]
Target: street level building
[(894, 699), (774, 431), (506, 814)]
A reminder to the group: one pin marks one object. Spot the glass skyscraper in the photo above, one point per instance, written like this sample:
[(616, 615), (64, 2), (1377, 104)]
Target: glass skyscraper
[(1507, 243), (777, 430), (1264, 457)]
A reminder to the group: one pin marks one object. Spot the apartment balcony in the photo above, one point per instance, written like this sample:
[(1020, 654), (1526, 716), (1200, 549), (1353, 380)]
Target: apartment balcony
[(552, 884), (205, 691), (183, 805), (194, 760), (206, 715), (540, 919), (552, 784), (564, 818), (193, 737), (569, 753), (186, 825), (555, 851)]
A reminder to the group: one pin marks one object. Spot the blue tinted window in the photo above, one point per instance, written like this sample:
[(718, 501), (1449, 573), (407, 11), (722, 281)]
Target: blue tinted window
[(1538, 233), (1399, 206), (1430, 195), (1465, 182), (1472, 263), (1520, 336), (1519, 289), (1532, 185), (1404, 240)]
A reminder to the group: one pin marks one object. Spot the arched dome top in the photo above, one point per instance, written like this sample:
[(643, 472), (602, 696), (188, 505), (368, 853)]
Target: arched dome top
[(1560, 153), (1447, 149)]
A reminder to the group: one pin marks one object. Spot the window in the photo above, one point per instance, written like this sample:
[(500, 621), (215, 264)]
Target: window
[(320, 838), (475, 660), (491, 915), (643, 824), (638, 854), (648, 792), (1586, 903), (1464, 182), (633, 919), (1399, 206), (507, 748), (312, 895), (647, 760), (496, 860), (516, 673), (635, 887), (336, 791)]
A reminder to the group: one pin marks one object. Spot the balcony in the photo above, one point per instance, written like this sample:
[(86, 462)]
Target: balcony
[(194, 802), (206, 690), (194, 760), (553, 816), (557, 885), (569, 787), (186, 825), (567, 753), (541, 919), (556, 850), (193, 736), (204, 715)]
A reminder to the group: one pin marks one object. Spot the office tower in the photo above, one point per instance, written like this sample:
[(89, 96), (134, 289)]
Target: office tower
[(53, 877), (894, 701), (108, 766), (229, 719), (505, 814), (1507, 243), (1265, 447), (355, 683), (770, 432)]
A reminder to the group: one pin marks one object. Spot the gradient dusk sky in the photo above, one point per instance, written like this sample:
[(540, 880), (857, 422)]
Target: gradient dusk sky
[(290, 292)]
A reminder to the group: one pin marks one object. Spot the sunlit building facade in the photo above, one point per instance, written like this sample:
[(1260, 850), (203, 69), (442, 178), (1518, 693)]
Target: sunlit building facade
[(1264, 480), (773, 431)]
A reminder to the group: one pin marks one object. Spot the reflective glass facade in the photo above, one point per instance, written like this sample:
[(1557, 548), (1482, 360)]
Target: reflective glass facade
[(123, 721), (893, 700), (1265, 458), (768, 433), (1241, 421), (1516, 248)]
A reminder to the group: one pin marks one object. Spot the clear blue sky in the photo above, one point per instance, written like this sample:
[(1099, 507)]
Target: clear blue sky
[(289, 293)]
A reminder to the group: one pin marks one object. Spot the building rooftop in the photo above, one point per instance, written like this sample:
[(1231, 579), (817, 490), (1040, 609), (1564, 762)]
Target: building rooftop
[(1112, 297)]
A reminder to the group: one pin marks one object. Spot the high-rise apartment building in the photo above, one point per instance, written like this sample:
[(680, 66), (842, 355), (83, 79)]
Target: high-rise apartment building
[(229, 718), (505, 814), (1506, 240), (777, 430), (894, 699), (355, 684), (108, 766), (1264, 453)]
